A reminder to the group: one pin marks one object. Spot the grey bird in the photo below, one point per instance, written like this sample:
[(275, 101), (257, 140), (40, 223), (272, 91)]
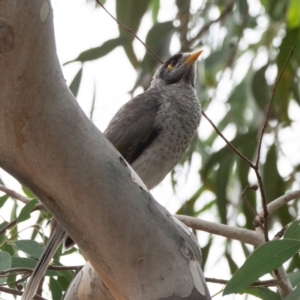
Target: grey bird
[(151, 131)]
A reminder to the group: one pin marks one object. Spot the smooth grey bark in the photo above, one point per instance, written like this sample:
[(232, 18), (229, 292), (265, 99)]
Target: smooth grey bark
[(137, 248)]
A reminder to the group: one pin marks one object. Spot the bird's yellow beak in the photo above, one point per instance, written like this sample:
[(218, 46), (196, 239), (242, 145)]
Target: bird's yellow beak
[(193, 57)]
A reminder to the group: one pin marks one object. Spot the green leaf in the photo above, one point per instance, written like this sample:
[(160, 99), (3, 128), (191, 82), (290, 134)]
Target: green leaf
[(25, 212), (158, 40), (294, 294), (274, 184), (98, 52), (5, 263), (30, 247), (27, 192), (155, 9), (56, 289), (293, 231), (260, 88), (74, 86), (262, 293), (3, 200), (220, 188), (263, 260), (293, 14), (130, 13), (294, 278)]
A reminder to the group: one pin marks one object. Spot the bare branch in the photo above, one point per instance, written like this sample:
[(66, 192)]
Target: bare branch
[(279, 202), (244, 235), (14, 194), (130, 31)]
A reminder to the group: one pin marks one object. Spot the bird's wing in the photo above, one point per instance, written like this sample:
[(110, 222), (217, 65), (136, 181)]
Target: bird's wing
[(132, 129)]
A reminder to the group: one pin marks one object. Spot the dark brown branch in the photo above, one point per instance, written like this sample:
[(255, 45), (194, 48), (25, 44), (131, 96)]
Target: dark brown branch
[(130, 31), (18, 293), (227, 142), (270, 282), (256, 168)]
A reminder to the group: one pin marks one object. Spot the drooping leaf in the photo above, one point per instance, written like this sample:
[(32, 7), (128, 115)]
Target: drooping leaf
[(155, 9), (158, 40), (274, 185), (55, 288), (130, 13), (260, 88), (74, 86), (222, 178), (98, 52), (263, 260), (27, 192), (5, 263), (30, 247), (25, 212), (3, 200)]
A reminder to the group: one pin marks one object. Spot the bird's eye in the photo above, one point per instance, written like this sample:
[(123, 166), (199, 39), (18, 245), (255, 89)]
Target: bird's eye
[(172, 64)]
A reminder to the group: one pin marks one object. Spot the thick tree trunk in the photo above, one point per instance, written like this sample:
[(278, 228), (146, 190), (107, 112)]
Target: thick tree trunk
[(49, 145)]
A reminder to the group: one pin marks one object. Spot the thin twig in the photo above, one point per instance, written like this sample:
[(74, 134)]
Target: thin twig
[(17, 281), (256, 168), (270, 282), (227, 142), (130, 30), (14, 194), (18, 293), (207, 25), (19, 271)]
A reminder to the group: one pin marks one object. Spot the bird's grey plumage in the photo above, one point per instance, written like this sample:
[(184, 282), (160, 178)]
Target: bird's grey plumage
[(152, 131)]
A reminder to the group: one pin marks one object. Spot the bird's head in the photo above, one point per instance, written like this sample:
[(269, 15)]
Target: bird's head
[(178, 68)]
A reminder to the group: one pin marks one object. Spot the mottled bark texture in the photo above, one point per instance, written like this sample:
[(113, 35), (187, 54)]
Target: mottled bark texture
[(49, 145)]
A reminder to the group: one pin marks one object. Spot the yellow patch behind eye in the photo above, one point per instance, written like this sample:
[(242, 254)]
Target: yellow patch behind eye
[(170, 66)]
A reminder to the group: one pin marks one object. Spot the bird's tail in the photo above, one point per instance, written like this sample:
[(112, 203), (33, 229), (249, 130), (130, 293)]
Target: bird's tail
[(53, 243)]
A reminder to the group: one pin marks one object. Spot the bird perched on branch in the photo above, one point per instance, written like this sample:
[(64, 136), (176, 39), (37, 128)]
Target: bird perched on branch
[(151, 131)]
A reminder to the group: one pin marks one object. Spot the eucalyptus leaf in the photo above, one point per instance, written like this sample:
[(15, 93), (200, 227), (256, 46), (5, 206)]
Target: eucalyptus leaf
[(264, 259)]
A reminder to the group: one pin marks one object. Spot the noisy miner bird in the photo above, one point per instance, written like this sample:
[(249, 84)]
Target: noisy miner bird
[(151, 131)]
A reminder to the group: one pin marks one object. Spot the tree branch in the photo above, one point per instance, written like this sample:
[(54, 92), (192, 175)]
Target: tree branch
[(14, 194), (244, 235)]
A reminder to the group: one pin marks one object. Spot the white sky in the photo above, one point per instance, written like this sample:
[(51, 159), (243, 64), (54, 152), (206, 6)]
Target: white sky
[(78, 27)]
